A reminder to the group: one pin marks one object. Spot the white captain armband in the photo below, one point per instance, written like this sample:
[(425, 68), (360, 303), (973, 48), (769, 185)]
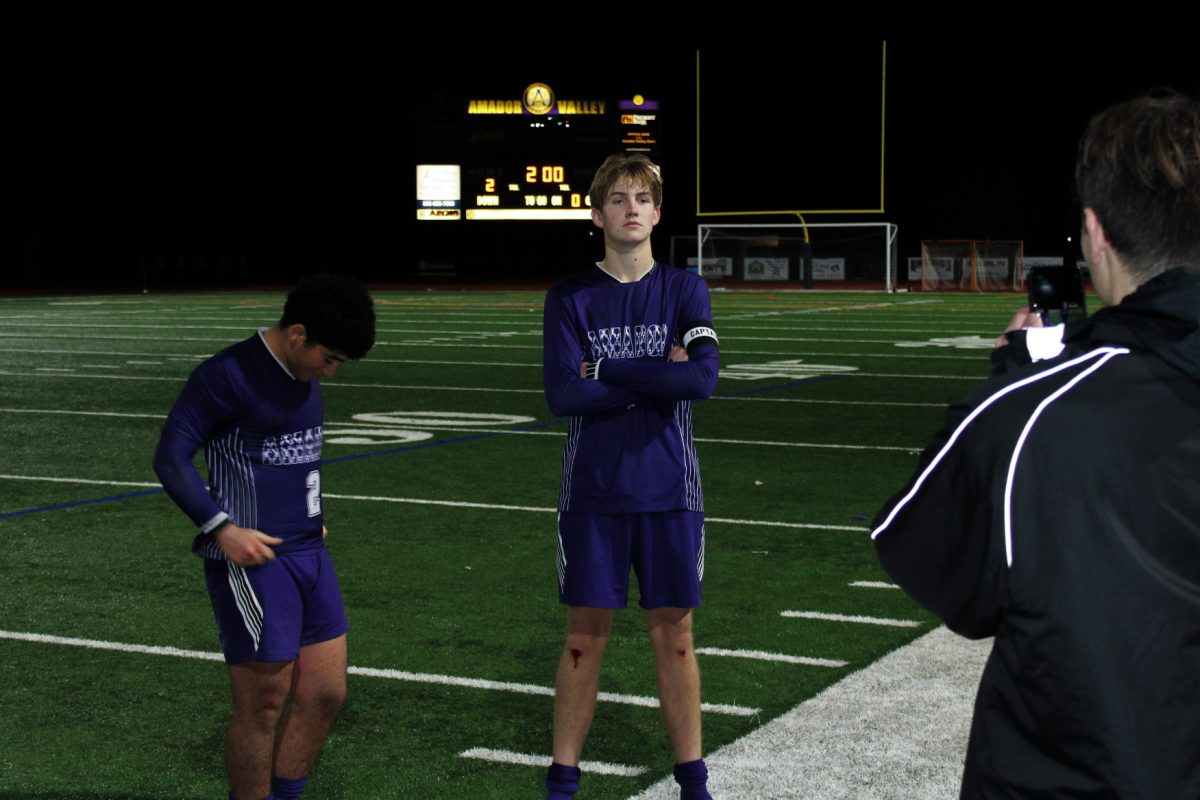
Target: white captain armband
[(696, 332)]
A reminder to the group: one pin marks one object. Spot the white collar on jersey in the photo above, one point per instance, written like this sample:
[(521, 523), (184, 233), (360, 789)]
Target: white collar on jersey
[(600, 266), (262, 338)]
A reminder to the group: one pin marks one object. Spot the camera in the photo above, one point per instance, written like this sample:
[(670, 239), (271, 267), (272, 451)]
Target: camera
[(1056, 289)]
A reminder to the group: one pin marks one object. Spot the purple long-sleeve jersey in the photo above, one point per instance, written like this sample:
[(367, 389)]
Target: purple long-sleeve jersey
[(261, 430), (629, 442)]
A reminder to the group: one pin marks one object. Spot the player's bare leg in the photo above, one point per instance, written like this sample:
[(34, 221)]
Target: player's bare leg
[(578, 680), (678, 675), (260, 690), (318, 689)]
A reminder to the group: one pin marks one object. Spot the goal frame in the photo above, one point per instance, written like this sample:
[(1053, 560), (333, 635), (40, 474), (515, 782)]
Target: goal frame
[(968, 252), (888, 233)]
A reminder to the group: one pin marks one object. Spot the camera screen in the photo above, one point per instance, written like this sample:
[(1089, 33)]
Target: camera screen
[(1054, 289)]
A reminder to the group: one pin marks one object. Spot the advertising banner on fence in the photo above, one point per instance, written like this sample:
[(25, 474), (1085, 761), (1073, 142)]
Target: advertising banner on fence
[(829, 269), (766, 269), (712, 267)]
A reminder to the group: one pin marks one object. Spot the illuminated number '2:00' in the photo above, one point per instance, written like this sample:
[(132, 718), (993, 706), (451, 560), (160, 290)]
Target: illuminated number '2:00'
[(548, 174)]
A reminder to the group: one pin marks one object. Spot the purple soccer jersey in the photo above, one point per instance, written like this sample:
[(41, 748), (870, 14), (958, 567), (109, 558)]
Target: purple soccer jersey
[(629, 443), (261, 431)]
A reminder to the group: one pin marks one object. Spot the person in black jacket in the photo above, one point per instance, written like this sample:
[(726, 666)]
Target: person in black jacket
[(1059, 508)]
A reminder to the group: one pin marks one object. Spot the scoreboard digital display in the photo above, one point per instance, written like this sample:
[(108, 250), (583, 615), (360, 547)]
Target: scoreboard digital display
[(536, 191), (532, 157)]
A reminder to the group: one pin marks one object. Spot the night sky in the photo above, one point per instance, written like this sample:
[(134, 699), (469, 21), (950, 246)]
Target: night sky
[(177, 145)]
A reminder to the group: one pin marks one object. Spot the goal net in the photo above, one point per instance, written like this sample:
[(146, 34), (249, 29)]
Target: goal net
[(820, 256), (972, 265)]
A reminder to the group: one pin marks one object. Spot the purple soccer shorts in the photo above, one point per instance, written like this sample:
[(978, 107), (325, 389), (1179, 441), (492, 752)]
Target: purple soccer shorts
[(665, 549), (268, 612)]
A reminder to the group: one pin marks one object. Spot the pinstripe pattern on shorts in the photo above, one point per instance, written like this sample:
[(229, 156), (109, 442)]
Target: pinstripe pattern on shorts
[(247, 603)]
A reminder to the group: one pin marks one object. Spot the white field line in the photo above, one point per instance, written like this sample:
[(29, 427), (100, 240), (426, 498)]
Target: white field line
[(174, 379), (103, 318), (976, 377), (85, 481), (97, 334), (762, 655), (324, 384), (420, 501), (886, 306), (443, 362), (812, 444), (508, 328), (332, 427), (552, 510), (255, 319), (471, 344), (461, 345), (200, 357), (418, 387), (895, 623), (465, 345), (895, 730), (172, 326), (450, 503), (874, 585), (941, 354), (139, 354), (810, 401), (772, 524), (471, 331), (369, 672), (81, 413), (923, 330), (533, 689), (98, 644), (938, 355), (836, 340), (528, 760), (269, 305)]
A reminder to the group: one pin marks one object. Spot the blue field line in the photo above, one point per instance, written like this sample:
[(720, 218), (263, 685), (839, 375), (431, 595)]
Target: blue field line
[(458, 440), (74, 503), (778, 386), (409, 448)]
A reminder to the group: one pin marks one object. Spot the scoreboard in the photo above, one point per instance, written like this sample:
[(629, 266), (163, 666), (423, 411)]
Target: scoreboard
[(532, 156), (531, 191)]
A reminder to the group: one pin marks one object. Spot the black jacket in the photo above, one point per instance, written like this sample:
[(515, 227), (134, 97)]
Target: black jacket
[(1059, 511)]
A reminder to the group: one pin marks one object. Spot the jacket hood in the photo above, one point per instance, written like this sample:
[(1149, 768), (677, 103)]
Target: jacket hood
[(1162, 316)]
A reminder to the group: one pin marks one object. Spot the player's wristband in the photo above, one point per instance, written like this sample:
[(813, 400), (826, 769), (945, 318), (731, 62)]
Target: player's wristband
[(215, 524), (593, 370)]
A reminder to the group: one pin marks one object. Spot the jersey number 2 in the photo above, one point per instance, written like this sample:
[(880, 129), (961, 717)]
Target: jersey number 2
[(313, 482)]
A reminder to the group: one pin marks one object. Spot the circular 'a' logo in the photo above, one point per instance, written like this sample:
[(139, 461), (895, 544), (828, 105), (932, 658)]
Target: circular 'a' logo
[(538, 98)]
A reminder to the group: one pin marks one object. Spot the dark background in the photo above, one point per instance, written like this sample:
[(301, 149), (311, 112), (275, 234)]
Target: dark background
[(193, 145)]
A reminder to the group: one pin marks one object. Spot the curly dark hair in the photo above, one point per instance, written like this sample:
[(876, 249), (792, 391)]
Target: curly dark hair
[(336, 312)]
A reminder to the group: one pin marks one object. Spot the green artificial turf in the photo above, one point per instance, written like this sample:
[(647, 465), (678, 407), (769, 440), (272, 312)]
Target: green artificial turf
[(461, 588)]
